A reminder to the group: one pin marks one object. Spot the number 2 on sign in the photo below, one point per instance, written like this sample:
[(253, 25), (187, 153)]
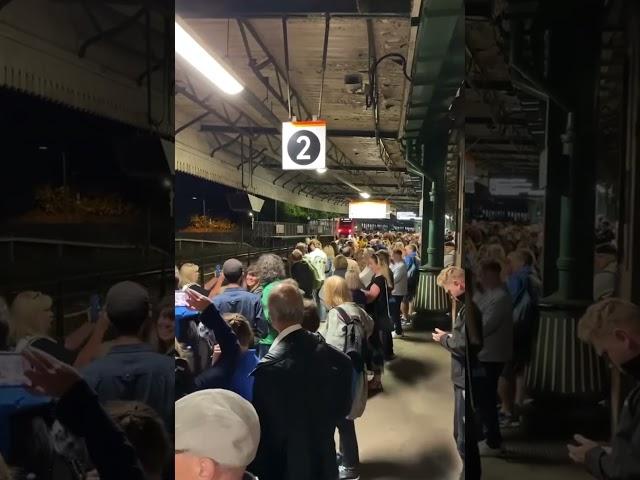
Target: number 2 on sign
[(303, 153)]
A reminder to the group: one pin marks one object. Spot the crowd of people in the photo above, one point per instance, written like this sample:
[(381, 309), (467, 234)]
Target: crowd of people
[(300, 343), (104, 391), (503, 289)]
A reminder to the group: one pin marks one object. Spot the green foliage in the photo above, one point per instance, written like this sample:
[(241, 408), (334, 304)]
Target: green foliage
[(296, 212), (64, 201), (202, 223)]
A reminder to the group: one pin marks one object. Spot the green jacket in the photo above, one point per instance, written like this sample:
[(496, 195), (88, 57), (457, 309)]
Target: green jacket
[(266, 291)]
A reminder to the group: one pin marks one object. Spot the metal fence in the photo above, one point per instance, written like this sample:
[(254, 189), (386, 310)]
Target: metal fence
[(71, 294)]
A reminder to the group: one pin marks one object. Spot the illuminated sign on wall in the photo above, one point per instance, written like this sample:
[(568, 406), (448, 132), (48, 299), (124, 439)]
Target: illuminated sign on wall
[(369, 210), (406, 216)]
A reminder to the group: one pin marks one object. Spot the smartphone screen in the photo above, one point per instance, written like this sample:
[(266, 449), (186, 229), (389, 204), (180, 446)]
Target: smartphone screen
[(181, 298), (12, 368), (94, 308)]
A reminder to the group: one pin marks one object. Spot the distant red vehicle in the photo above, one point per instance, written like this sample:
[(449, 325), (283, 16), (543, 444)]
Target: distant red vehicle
[(346, 227)]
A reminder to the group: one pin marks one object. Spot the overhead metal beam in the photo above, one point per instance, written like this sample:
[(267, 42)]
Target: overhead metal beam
[(472, 140), (370, 185), (340, 159), (489, 121), (286, 8), (128, 23), (193, 121), (339, 133), (368, 168), (501, 86)]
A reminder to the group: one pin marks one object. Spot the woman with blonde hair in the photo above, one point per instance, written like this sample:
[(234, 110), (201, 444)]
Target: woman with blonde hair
[(189, 275), (385, 262), (331, 255), (377, 296), (355, 285), (346, 318), (366, 274), (340, 266), (31, 322)]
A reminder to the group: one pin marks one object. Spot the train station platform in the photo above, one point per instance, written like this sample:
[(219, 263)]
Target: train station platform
[(406, 431)]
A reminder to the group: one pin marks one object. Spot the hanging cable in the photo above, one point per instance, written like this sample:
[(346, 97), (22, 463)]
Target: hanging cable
[(324, 60), (373, 78), (286, 61)]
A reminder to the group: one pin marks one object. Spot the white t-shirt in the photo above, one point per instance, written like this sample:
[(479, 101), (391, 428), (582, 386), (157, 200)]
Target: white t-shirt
[(366, 276)]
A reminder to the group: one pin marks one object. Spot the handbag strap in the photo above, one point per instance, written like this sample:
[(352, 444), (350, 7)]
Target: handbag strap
[(386, 291), (344, 316)]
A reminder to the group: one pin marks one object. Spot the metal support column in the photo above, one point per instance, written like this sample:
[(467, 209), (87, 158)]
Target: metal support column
[(430, 298), (573, 380)]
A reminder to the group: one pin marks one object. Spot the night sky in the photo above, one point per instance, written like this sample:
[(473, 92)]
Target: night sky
[(102, 156), (188, 186)]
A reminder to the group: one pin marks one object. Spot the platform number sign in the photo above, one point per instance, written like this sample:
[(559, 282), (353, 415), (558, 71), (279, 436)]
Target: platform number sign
[(303, 145)]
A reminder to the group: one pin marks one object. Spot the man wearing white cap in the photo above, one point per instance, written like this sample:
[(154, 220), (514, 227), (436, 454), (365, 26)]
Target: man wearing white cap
[(217, 435)]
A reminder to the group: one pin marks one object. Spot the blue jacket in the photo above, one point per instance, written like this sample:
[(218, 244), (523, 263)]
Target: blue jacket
[(411, 261), (238, 300), (231, 371), (135, 372), (13, 400), (242, 380), (518, 282)]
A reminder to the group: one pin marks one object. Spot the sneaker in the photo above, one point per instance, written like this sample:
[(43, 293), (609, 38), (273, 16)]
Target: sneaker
[(486, 451), (509, 422), (347, 473), (514, 423)]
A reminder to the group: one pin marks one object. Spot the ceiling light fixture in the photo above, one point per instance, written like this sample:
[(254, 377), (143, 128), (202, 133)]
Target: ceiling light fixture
[(322, 170), (194, 53), (365, 195)]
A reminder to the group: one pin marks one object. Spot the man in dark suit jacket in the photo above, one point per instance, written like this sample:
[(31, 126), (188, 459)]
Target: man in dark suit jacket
[(302, 389)]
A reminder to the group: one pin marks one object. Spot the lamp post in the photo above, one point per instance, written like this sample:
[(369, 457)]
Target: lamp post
[(204, 205)]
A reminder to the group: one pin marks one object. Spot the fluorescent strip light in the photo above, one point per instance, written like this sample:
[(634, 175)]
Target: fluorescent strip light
[(321, 170), (365, 195), (189, 49)]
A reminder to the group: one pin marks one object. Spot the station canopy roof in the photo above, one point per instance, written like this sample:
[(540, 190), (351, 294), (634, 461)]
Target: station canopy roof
[(250, 38)]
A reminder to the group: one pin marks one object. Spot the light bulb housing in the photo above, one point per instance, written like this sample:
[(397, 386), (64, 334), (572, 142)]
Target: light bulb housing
[(192, 51)]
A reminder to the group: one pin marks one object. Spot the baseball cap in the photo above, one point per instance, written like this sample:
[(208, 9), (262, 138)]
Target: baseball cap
[(217, 424), (232, 269)]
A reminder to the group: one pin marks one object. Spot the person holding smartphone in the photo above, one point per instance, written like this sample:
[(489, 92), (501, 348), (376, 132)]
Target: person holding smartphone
[(31, 322)]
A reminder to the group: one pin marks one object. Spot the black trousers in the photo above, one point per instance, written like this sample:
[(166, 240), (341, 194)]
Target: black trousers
[(395, 302), (485, 391), (387, 344), (464, 432)]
